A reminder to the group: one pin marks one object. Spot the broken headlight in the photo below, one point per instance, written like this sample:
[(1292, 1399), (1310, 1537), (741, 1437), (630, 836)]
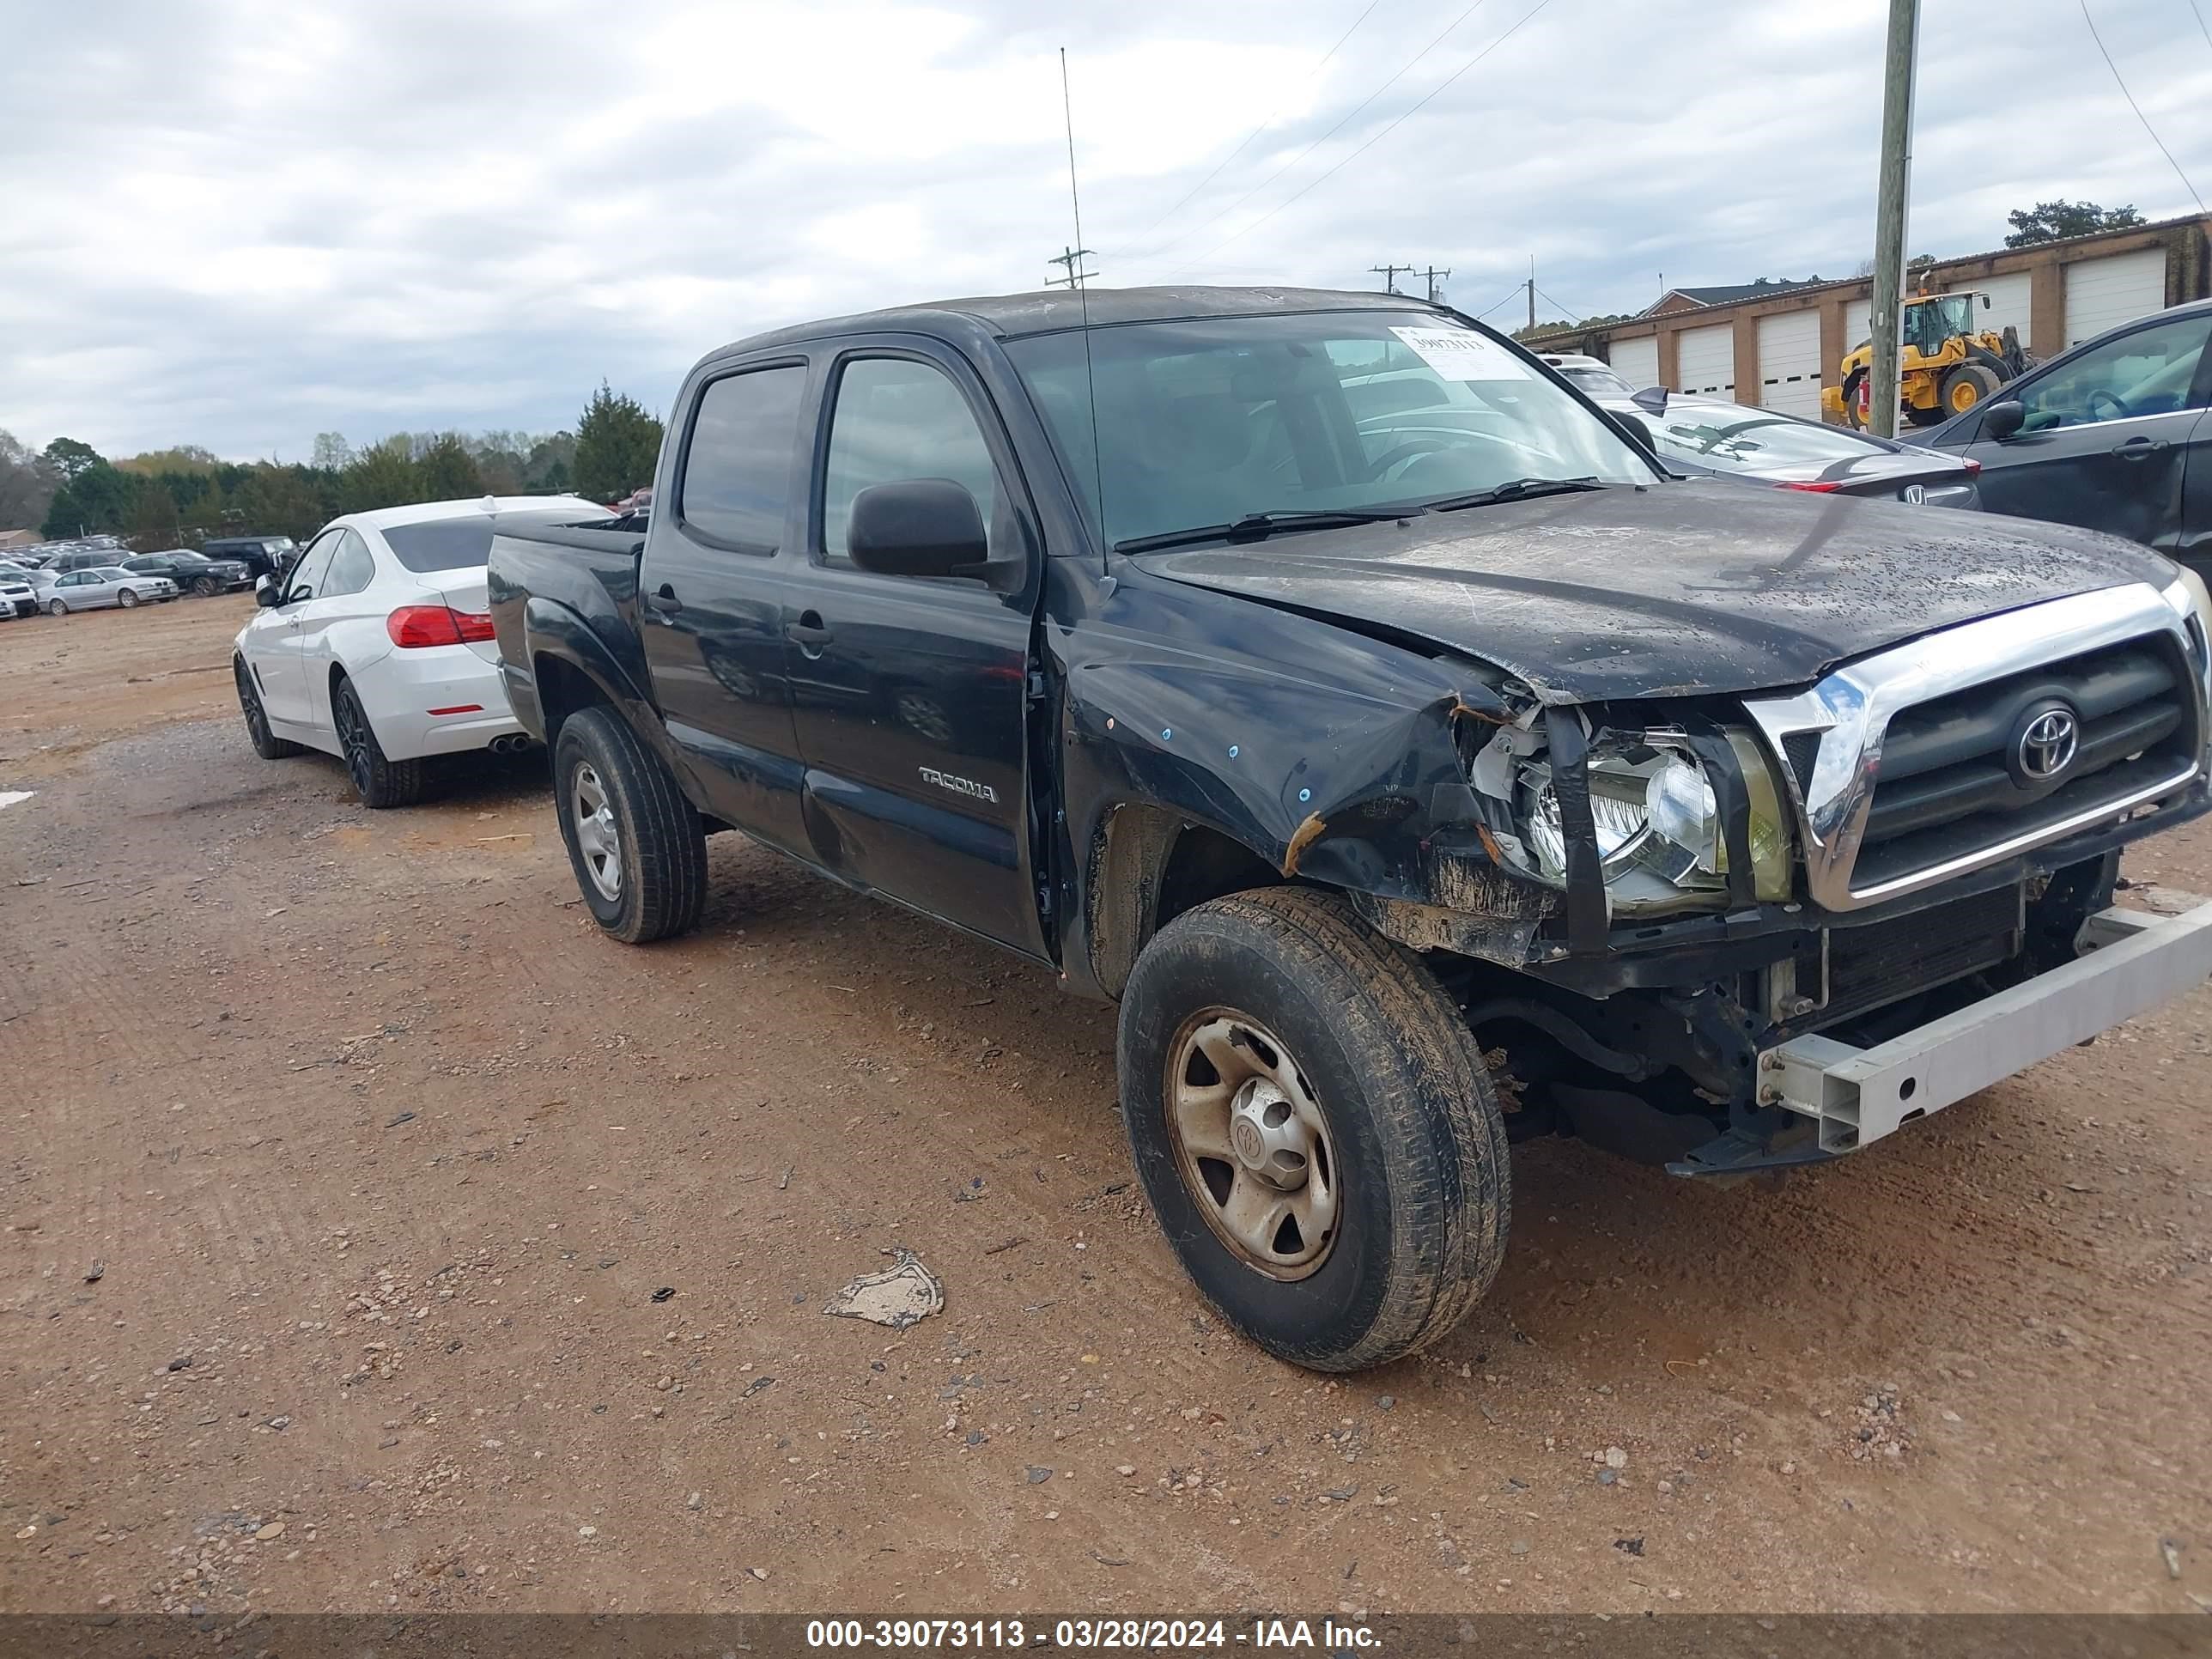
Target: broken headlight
[(1660, 837)]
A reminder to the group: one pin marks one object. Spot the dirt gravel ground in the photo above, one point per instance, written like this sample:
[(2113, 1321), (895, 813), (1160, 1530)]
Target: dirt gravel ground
[(349, 1172)]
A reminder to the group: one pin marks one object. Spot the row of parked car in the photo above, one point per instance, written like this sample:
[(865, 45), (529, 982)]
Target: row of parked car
[(99, 573), (2103, 437)]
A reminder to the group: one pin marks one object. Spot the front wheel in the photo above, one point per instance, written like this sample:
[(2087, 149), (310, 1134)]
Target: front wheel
[(380, 782), (127, 599), (206, 587), (1314, 1127), (56, 608), (636, 845)]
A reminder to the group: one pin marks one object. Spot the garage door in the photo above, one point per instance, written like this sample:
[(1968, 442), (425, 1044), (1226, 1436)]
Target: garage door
[(1789, 363), (1858, 324), (2010, 306), (1636, 362), (2102, 294), (1706, 366)]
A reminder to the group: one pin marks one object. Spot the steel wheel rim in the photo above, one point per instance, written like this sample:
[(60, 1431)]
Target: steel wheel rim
[(353, 739), (598, 838), (1252, 1145), (126, 599)]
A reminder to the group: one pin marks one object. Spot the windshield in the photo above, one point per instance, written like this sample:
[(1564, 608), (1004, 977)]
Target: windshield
[(463, 543), (1207, 421), (1756, 443), (1929, 323), (1596, 382)]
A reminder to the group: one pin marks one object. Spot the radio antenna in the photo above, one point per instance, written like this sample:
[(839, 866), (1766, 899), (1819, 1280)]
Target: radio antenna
[(1078, 279)]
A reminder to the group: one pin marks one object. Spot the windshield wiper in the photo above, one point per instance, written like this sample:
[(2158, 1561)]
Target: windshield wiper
[(1258, 526), (1515, 489)]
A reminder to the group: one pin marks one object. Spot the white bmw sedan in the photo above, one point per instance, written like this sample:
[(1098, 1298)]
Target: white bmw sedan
[(376, 646)]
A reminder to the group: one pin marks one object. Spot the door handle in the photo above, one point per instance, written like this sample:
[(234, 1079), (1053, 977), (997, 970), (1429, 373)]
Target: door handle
[(664, 600), (808, 634), (2136, 449)]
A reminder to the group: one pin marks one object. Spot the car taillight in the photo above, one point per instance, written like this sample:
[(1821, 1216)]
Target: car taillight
[(1813, 484), (415, 625)]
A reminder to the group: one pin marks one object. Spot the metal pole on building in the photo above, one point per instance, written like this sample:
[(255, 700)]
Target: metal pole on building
[(1891, 197), (1532, 291)]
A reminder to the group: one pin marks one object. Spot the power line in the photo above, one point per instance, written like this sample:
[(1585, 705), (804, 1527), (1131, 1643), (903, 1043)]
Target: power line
[(1269, 120), (2201, 23), (1212, 217), (2137, 108), (1573, 315), (1331, 173), (1510, 295)]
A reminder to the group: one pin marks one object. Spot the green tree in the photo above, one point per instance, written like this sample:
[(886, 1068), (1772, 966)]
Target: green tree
[(332, 452), (382, 475), (99, 497), (72, 458), (446, 471), (618, 444), (550, 463), (2048, 222), (27, 482), (153, 524)]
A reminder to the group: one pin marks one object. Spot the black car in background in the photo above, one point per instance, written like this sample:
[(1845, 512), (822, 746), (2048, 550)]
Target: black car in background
[(262, 555), (2114, 435), (193, 573)]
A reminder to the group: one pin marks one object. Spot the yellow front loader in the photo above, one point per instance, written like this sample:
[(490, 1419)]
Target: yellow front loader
[(1944, 367)]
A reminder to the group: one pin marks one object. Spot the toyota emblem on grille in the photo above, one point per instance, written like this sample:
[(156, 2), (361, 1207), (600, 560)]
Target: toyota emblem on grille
[(2046, 743)]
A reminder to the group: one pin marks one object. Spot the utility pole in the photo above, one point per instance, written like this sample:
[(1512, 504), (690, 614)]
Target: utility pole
[(1389, 275), (1069, 260), (1433, 276), (1893, 192), (1532, 290)]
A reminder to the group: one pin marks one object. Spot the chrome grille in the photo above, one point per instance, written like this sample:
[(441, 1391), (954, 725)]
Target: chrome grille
[(1909, 768)]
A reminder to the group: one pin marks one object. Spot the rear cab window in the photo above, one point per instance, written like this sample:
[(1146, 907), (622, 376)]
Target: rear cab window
[(741, 457)]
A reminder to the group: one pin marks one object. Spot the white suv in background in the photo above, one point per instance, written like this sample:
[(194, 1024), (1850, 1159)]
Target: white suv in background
[(377, 647)]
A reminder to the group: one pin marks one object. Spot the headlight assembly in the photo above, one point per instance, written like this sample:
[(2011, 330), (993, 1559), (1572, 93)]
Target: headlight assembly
[(1661, 840)]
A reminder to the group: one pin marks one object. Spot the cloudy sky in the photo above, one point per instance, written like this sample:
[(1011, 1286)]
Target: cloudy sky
[(240, 223)]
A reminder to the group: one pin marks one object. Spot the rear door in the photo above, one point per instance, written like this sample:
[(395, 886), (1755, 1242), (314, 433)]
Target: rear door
[(2109, 436), (712, 594), (911, 694)]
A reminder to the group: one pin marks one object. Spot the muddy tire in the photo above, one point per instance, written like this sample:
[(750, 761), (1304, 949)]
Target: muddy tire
[(1853, 387), (266, 743), (1339, 1055), (1968, 385), (380, 782), (637, 847)]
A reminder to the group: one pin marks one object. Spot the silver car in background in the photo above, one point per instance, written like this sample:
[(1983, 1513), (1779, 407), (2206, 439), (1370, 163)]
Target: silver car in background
[(101, 586)]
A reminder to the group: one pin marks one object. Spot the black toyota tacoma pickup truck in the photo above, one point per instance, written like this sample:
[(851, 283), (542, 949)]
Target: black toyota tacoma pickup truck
[(1417, 764)]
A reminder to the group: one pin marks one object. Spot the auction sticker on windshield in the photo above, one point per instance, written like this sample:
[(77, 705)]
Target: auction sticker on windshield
[(1460, 354)]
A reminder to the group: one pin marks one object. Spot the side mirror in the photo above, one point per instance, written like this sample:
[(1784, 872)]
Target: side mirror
[(2001, 422), (265, 593), (1987, 303), (924, 527)]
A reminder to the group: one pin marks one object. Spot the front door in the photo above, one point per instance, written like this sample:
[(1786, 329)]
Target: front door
[(711, 599), (2107, 437), (910, 693), (273, 644), (338, 598)]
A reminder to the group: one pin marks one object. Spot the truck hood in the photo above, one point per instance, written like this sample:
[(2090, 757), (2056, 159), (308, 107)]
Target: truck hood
[(1671, 590)]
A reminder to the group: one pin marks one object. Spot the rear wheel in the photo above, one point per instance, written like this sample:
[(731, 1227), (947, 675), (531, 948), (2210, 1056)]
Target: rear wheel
[(380, 782), (636, 845), (128, 600), (266, 743), (1314, 1127)]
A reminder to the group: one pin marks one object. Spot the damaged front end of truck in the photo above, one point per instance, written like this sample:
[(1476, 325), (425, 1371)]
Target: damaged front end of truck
[(1647, 906)]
